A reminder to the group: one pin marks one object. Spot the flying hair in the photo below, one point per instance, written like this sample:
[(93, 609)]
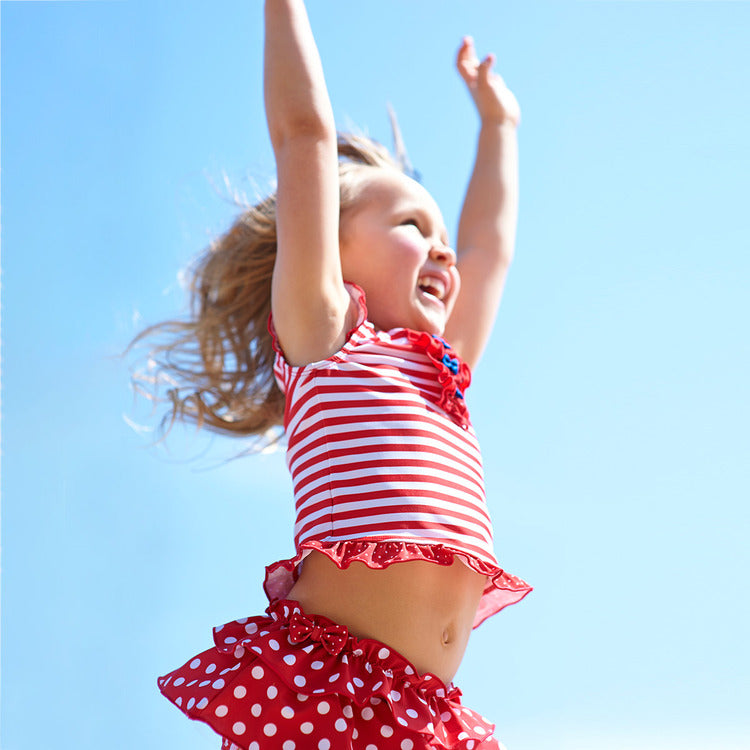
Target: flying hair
[(214, 368)]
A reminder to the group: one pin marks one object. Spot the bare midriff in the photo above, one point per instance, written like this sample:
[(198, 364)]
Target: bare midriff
[(423, 610)]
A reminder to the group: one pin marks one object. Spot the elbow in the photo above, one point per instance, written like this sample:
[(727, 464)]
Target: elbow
[(301, 128)]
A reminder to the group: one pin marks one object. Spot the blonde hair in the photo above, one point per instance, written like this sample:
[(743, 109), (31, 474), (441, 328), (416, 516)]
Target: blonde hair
[(217, 365)]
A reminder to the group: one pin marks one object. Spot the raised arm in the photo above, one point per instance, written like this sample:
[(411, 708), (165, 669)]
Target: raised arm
[(309, 302), (487, 227)]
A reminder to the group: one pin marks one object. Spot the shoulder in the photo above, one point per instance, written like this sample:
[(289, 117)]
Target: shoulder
[(359, 331)]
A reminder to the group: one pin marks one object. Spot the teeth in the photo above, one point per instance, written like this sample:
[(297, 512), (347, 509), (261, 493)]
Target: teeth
[(432, 286)]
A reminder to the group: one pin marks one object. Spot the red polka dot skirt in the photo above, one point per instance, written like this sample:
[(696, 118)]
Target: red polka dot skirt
[(292, 681)]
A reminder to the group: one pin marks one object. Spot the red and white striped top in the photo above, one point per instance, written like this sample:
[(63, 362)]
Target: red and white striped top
[(380, 447)]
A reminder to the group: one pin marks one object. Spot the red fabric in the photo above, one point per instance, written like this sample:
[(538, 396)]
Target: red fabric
[(383, 456), (261, 690)]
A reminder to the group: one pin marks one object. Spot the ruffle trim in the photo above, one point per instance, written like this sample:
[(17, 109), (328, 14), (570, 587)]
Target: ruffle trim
[(364, 671), (502, 588), (454, 375)]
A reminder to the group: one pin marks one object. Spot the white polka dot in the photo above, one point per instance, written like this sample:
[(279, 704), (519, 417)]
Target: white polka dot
[(410, 712), (240, 691), (371, 747), (288, 745), (324, 745), (340, 725), (179, 681), (358, 682), (317, 665), (221, 711), (350, 687), (202, 703), (274, 644), (252, 746), (179, 701), (367, 713), (238, 727), (218, 684), (470, 745), (445, 716), (269, 730), (301, 697), (239, 652), (401, 720), (290, 659), (462, 735), (204, 683), (377, 684), (386, 731), (190, 703), (408, 670), (300, 681), (287, 712), (479, 730), (306, 728), (195, 664), (323, 707), (251, 628), (272, 692), (258, 673), (334, 677), (210, 668), (355, 733), (256, 709), (407, 745), (348, 712), (384, 653), (229, 640), (395, 696)]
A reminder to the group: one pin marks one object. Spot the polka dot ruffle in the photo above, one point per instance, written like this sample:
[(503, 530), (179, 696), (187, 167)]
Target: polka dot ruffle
[(502, 589), (261, 687)]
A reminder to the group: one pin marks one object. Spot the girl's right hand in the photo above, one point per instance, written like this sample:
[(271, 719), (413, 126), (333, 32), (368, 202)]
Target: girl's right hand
[(309, 302)]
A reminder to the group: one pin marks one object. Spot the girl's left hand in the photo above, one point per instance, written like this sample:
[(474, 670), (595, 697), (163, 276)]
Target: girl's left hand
[(495, 102)]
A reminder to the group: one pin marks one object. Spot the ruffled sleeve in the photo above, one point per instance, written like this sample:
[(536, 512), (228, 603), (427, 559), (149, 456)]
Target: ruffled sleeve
[(284, 371)]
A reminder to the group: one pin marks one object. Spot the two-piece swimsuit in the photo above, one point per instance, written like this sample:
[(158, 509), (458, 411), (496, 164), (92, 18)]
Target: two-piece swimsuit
[(386, 469)]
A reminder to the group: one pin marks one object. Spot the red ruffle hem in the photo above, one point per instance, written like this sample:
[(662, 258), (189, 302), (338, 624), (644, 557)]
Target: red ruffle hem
[(501, 590), (292, 681)]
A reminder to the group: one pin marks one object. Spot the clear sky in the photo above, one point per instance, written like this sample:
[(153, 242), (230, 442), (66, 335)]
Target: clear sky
[(612, 404)]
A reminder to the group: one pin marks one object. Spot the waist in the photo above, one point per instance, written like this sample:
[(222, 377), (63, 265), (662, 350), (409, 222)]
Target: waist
[(422, 610)]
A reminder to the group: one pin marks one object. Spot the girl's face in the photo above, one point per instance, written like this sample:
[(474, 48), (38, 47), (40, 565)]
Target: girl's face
[(395, 246)]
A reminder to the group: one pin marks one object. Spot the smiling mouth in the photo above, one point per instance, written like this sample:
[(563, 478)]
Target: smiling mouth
[(433, 287)]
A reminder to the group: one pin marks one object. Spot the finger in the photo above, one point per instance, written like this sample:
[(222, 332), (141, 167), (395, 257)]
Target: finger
[(466, 52), (483, 72)]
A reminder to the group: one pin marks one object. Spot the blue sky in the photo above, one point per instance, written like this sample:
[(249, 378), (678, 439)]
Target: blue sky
[(612, 404)]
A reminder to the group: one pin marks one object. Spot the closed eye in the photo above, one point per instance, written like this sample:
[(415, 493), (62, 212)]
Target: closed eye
[(411, 223)]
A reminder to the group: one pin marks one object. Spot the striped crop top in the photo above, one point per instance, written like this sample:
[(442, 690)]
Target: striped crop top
[(385, 464)]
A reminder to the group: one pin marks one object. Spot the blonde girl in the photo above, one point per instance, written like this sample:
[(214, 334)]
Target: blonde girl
[(340, 309)]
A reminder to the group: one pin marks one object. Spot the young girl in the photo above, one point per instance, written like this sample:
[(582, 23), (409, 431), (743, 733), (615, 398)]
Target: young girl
[(368, 623)]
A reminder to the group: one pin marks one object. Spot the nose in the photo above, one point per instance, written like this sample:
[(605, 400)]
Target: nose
[(443, 254)]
